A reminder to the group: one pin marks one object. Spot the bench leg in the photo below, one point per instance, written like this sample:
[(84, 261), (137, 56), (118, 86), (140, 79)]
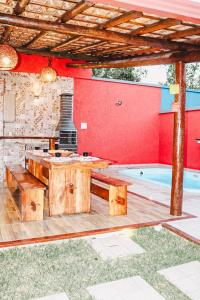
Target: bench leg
[(117, 200), (32, 205)]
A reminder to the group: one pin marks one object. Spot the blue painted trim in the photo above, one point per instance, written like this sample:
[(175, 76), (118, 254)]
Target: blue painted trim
[(192, 99)]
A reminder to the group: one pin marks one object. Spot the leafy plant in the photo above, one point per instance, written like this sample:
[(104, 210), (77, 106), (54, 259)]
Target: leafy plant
[(192, 75), (129, 74)]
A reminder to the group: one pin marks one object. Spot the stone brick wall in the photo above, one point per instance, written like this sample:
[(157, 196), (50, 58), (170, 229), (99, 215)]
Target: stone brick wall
[(34, 116)]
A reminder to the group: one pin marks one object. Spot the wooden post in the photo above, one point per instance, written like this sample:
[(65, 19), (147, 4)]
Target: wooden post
[(178, 143), (51, 144)]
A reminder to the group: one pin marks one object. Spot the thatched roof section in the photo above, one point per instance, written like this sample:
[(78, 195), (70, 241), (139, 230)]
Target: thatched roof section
[(114, 33)]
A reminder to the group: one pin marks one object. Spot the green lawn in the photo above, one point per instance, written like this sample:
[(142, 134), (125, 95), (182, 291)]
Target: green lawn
[(72, 266)]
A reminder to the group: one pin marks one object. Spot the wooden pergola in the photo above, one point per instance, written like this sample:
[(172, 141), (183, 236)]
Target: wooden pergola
[(112, 34)]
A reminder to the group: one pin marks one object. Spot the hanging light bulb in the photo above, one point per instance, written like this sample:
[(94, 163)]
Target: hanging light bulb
[(48, 74), (8, 57)]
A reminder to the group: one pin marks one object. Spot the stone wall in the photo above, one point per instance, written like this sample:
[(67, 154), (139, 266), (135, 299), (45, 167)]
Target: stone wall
[(36, 112)]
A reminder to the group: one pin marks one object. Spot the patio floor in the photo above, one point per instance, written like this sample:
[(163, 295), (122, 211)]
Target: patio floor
[(141, 212)]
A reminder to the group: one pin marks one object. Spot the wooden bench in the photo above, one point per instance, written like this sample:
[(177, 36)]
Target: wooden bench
[(116, 194), (26, 193)]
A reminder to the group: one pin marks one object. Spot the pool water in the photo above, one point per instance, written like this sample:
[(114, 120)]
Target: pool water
[(164, 176)]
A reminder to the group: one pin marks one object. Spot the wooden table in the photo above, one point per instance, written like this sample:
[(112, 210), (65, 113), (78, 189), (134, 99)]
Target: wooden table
[(68, 182)]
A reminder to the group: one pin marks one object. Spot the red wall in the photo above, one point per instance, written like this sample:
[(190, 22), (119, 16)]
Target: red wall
[(127, 133), (134, 132), (192, 149), (35, 63)]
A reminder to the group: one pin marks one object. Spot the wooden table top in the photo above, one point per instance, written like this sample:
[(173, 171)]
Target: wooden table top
[(73, 163)]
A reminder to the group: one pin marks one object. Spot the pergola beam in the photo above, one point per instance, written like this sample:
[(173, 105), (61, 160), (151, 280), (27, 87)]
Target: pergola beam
[(147, 60), (103, 34)]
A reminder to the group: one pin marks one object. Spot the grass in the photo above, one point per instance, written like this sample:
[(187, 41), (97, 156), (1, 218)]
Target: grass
[(73, 265)]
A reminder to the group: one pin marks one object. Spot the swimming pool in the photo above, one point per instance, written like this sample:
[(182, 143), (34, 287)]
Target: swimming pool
[(164, 176)]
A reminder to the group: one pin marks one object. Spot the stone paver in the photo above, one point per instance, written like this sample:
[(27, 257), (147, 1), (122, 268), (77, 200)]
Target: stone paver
[(124, 289), (185, 277), (60, 296), (114, 246), (189, 226)]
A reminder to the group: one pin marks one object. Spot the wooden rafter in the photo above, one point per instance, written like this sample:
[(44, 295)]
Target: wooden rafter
[(151, 59), (87, 47), (20, 7), (66, 16), (163, 24), (183, 33), (126, 47), (66, 43), (63, 54), (78, 9), (110, 23), (121, 19)]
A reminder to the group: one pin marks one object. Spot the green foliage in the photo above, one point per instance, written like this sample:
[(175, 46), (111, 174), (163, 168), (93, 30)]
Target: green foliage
[(192, 75), (129, 74)]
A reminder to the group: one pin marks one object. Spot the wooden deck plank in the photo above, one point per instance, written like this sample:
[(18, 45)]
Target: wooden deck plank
[(141, 212)]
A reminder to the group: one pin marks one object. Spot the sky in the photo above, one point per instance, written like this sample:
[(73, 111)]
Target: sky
[(155, 74)]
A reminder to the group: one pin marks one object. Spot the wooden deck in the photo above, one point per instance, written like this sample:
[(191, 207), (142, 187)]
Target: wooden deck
[(141, 212)]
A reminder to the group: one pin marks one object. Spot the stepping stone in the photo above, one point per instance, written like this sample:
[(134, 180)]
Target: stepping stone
[(109, 247), (189, 226), (185, 277), (124, 289), (61, 296)]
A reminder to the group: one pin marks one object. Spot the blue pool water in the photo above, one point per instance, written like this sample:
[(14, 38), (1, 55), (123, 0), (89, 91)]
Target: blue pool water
[(164, 176)]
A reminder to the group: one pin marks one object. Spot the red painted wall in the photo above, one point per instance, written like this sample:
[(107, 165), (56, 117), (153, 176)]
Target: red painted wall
[(35, 63), (132, 133), (192, 149), (127, 133)]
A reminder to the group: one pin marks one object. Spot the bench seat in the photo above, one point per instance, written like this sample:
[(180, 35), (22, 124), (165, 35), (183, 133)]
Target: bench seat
[(116, 194), (26, 193)]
